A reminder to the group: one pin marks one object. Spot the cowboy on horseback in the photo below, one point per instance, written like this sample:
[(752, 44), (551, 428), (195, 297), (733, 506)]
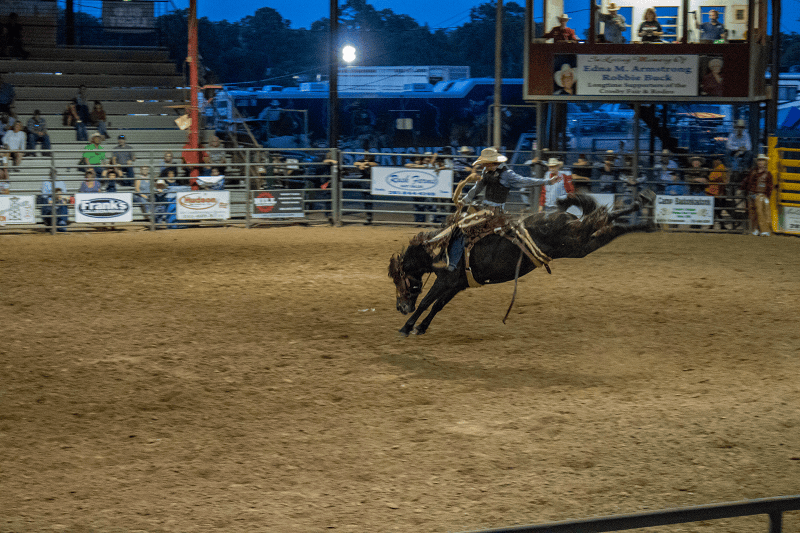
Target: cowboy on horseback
[(495, 181)]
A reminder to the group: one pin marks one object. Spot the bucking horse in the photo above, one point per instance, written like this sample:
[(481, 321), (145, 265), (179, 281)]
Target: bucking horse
[(495, 258)]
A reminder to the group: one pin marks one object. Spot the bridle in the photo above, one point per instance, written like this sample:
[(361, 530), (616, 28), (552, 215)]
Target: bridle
[(408, 286)]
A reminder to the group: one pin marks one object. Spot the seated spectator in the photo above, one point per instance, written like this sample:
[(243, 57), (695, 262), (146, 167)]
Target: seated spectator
[(13, 38), (582, 174), (214, 182), (15, 140), (95, 154), (5, 157), (217, 154), (170, 176), (7, 95), (123, 158), (54, 205), (141, 190), (37, 133), (97, 118), (72, 117), (650, 30), (696, 177), (606, 175), (166, 162), (90, 182), (110, 179), (561, 33), (206, 169), (82, 104)]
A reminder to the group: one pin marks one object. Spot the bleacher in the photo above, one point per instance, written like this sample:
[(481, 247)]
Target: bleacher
[(140, 90)]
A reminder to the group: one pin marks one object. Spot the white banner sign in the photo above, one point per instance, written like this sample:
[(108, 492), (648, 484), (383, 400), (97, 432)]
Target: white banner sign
[(791, 219), (402, 181), (104, 207), (17, 210), (621, 75), (694, 210), (203, 205)]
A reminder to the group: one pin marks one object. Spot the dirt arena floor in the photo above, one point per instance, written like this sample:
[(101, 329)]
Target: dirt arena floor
[(254, 380)]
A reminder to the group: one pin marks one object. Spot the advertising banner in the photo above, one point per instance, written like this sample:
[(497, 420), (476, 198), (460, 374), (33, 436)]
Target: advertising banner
[(278, 204), (104, 207), (17, 210), (421, 182), (636, 75), (790, 219), (203, 205), (694, 210), (128, 17)]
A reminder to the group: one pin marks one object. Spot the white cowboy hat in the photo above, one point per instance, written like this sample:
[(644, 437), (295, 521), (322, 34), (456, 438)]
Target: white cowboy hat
[(740, 123), (612, 7), (565, 69), (490, 155), (554, 162), (562, 17), (96, 135), (465, 150), (763, 156)]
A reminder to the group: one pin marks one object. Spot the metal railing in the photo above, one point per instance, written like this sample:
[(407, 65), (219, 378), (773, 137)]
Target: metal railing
[(773, 507)]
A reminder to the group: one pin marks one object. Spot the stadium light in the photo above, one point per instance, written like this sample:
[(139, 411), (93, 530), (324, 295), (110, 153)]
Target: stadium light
[(348, 54)]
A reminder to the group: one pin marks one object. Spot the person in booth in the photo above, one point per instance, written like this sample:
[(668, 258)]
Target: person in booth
[(560, 33)]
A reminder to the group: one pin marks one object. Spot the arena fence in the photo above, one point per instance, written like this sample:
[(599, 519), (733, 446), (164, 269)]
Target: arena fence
[(772, 507), (273, 186)]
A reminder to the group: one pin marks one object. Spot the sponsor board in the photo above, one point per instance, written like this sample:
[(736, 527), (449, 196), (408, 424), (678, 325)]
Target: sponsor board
[(203, 205), (626, 75), (694, 210), (420, 182), (790, 219), (104, 207), (278, 204), (17, 210)]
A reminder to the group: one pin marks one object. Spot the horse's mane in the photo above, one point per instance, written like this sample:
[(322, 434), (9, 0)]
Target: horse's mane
[(396, 262)]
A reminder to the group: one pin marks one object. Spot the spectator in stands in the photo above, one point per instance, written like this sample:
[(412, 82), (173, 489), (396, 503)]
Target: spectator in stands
[(53, 204), (664, 171), (141, 189), (15, 140), (192, 159), (217, 154), (214, 182), (717, 180), (561, 33), (7, 95), (739, 149), (166, 162), (72, 117), (110, 178), (37, 133), (123, 158), (170, 176), (606, 175), (95, 154), (97, 118), (205, 170), (696, 176), (713, 30), (90, 182), (650, 30), (364, 167), (6, 122), (555, 190), (13, 38), (614, 24), (758, 187), (582, 174), (82, 104), (5, 157)]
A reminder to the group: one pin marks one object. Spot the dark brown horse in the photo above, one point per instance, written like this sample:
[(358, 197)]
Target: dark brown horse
[(494, 259)]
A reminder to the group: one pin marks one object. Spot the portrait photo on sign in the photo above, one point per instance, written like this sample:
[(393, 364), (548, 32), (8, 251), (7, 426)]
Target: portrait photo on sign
[(565, 75), (712, 79)]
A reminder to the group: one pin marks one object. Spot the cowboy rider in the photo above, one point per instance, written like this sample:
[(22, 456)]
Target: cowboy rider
[(496, 182)]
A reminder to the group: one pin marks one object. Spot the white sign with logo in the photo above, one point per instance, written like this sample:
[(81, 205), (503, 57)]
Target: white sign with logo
[(203, 205), (278, 204), (628, 75), (694, 210), (402, 181), (791, 219), (17, 210), (104, 207)]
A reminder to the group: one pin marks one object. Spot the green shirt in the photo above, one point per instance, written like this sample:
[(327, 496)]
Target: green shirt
[(95, 155)]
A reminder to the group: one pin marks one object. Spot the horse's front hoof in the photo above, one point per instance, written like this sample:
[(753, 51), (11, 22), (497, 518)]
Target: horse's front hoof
[(403, 331), (419, 331)]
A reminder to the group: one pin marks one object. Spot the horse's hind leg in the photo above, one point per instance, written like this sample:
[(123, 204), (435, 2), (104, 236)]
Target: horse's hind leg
[(437, 306)]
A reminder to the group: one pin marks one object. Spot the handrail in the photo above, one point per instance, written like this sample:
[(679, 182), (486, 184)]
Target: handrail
[(774, 507)]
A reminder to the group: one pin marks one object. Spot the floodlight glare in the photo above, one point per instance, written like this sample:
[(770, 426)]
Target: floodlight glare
[(349, 54)]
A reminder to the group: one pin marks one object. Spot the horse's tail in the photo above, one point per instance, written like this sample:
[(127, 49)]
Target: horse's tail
[(586, 203)]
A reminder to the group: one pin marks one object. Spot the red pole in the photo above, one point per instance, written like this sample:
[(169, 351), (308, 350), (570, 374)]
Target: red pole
[(194, 138)]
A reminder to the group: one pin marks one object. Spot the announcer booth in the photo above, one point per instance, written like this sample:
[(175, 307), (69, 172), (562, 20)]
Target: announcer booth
[(682, 66)]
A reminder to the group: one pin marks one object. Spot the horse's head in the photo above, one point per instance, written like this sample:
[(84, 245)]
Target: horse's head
[(406, 270)]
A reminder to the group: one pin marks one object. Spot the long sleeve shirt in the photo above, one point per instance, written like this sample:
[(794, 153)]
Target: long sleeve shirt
[(737, 142)]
